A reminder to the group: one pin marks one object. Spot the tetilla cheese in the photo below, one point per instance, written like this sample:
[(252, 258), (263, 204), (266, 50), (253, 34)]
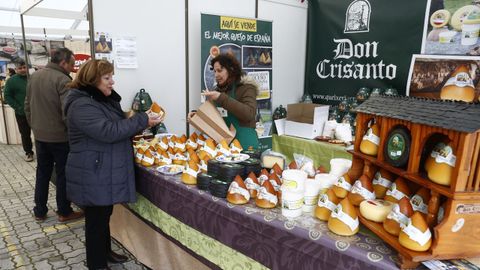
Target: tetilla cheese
[(189, 175), (361, 190), (344, 219), (342, 186), (237, 192), (440, 170), (370, 141), (326, 203), (269, 160), (416, 235), (382, 182), (397, 191), (459, 86), (398, 217)]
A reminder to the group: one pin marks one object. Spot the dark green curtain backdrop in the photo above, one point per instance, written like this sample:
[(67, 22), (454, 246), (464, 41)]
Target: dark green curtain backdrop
[(379, 56)]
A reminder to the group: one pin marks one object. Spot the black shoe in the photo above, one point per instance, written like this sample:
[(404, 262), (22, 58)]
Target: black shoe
[(113, 257)]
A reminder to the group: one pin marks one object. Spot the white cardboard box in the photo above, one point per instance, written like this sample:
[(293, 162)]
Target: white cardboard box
[(306, 120)]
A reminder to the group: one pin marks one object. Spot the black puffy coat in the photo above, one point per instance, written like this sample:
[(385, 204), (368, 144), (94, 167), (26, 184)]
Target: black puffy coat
[(100, 166)]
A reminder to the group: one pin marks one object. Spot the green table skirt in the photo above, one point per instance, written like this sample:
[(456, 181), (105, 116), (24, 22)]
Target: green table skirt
[(320, 152)]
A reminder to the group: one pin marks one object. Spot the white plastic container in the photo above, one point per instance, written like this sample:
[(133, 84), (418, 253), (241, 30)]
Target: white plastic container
[(447, 36), (292, 202), (310, 198), (294, 180), (339, 166), (343, 131), (326, 180), (470, 33)]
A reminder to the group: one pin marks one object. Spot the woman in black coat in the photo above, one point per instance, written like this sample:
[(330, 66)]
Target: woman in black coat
[(100, 168)]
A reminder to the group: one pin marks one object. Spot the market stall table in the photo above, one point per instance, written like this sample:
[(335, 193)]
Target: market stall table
[(231, 236), (320, 152)]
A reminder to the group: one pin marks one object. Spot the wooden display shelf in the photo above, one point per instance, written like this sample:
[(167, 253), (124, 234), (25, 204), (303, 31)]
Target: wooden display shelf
[(416, 178), (457, 235), (392, 240)]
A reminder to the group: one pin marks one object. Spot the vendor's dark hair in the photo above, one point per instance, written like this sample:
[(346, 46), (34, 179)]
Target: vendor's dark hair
[(19, 62), (61, 54), (232, 65)]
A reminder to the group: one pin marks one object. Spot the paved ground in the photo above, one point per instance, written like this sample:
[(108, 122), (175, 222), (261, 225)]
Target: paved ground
[(28, 244)]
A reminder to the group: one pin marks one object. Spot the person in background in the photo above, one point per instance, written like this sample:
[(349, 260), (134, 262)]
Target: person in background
[(100, 166), (237, 94), (43, 107), (15, 91)]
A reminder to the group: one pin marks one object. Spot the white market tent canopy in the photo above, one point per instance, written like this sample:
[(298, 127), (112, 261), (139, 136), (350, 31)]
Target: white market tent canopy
[(49, 19)]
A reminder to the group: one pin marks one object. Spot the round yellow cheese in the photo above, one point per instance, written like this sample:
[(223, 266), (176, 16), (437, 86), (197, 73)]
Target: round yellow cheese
[(375, 210)]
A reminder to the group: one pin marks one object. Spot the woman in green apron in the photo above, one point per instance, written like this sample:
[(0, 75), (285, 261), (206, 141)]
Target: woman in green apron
[(237, 94)]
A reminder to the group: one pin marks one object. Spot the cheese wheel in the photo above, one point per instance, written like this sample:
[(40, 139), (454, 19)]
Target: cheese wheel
[(416, 235), (268, 161), (342, 186), (344, 219), (370, 141), (326, 203), (460, 15), (375, 210), (440, 18)]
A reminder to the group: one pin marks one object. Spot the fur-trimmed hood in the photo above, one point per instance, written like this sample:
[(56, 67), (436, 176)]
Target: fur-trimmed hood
[(248, 80)]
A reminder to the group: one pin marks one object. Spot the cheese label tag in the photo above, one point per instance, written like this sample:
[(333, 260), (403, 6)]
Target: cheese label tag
[(369, 136), (236, 189), (445, 155), (265, 195), (365, 193), (418, 204), (345, 218), (461, 79), (379, 180), (394, 192), (416, 235), (398, 216), (342, 183), (323, 201), (250, 184)]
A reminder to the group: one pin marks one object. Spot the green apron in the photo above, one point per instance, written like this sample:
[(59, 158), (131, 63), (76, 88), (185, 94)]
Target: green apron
[(246, 135)]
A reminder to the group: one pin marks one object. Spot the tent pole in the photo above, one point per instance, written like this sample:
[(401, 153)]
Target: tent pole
[(187, 73), (90, 28)]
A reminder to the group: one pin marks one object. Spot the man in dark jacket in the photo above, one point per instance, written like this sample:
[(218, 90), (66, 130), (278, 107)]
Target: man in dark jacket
[(15, 90), (46, 91)]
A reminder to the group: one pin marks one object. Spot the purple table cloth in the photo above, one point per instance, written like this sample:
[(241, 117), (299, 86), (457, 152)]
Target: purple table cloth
[(264, 234)]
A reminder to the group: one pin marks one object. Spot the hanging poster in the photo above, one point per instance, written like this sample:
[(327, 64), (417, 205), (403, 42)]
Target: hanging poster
[(103, 46), (250, 41), (452, 28), (360, 43), (445, 77), (126, 52)]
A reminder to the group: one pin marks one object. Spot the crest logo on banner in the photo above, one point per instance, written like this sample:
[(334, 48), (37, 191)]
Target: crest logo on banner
[(357, 17)]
